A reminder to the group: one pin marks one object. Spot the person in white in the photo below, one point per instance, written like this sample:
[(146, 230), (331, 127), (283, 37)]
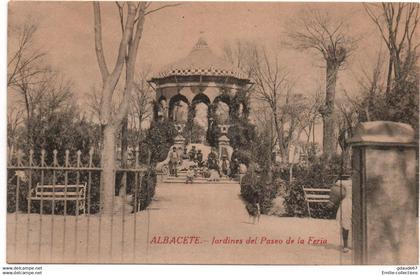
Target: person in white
[(341, 194), (344, 213)]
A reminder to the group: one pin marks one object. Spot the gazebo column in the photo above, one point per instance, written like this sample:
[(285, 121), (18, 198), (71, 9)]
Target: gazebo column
[(156, 111), (233, 109), (169, 110), (224, 141), (210, 122), (190, 120)]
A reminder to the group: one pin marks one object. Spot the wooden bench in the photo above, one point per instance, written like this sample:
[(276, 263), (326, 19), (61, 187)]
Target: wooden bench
[(315, 195), (60, 192)]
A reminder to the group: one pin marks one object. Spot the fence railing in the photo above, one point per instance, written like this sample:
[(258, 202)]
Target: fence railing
[(54, 209)]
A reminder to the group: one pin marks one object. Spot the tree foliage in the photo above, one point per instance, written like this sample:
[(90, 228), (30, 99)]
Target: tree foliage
[(159, 139)]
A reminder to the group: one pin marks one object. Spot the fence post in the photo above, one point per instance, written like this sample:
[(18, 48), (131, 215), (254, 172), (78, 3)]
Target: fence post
[(385, 229)]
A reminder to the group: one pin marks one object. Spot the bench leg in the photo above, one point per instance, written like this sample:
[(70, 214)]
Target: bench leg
[(81, 207), (309, 209), (29, 206)]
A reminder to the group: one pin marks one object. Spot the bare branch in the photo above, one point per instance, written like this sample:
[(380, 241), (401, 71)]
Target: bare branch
[(160, 8)]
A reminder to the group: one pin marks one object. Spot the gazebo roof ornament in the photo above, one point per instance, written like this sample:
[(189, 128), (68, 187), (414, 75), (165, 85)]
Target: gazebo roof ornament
[(201, 44), (201, 61)]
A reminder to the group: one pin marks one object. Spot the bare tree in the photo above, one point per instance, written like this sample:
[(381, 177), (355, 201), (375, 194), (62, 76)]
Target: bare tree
[(317, 31), (347, 119), (274, 87), (397, 24), (15, 117), (370, 100), (309, 115), (141, 105), (93, 103), (23, 62), (132, 18), (242, 54), (27, 75)]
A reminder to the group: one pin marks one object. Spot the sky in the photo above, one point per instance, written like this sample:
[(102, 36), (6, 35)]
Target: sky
[(66, 33)]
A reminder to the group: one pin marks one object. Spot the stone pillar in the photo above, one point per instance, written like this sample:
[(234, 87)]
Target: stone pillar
[(223, 145), (384, 193), (179, 140), (224, 141)]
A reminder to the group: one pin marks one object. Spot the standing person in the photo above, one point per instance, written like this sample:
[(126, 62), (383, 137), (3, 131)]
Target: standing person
[(192, 153), (234, 163), (345, 213), (212, 161), (199, 158), (341, 193), (190, 175), (185, 154), (173, 161), (225, 166)]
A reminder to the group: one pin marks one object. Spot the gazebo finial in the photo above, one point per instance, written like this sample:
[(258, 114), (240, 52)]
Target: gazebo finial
[(201, 43)]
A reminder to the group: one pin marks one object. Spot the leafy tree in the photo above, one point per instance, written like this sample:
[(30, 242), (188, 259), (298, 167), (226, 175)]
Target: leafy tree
[(242, 135), (159, 139)]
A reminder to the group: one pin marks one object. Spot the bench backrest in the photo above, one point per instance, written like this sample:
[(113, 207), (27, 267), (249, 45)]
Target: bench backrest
[(316, 194), (61, 190)]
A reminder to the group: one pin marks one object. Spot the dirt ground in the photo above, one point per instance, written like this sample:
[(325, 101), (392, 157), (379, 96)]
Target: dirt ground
[(185, 224)]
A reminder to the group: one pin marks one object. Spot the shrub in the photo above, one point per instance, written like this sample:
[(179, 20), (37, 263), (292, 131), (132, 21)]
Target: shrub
[(60, 130), (12, 193), (147, 190), (258, 183), (320, 173), (159, 139), (242, 135)]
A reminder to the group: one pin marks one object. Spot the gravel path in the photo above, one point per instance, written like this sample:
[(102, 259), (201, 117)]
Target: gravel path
[(194, 224)]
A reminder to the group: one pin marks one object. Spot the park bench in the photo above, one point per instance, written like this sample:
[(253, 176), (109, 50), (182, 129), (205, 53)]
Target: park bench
[(60, 192), (315, 195)]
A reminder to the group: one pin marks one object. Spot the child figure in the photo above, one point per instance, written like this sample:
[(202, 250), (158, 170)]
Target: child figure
[(344, 214), (341, 194), (190, 175)]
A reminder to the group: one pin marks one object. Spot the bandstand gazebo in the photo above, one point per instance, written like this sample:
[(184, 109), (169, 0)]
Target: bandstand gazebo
[(200, 78)]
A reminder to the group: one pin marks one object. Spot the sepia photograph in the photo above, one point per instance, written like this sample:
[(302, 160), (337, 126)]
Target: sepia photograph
[(212, 133)]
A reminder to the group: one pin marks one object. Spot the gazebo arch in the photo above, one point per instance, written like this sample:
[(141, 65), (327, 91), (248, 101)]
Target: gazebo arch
[(187, 92), (201, 98), (200, 77), (162, 107), (223, 98), (176, 98)]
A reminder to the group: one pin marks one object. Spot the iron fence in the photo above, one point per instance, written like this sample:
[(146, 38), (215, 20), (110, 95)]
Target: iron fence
[(54, 209)]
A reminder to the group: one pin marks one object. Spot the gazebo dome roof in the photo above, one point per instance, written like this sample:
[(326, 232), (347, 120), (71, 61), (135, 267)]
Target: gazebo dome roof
[(200, 61)]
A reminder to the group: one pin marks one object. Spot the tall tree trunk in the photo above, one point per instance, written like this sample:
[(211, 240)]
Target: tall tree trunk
[(124, 156), (270, 161), (328, 112), (108, 169), (28, 118), (280, 137), (389, 76), (140, 138)]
